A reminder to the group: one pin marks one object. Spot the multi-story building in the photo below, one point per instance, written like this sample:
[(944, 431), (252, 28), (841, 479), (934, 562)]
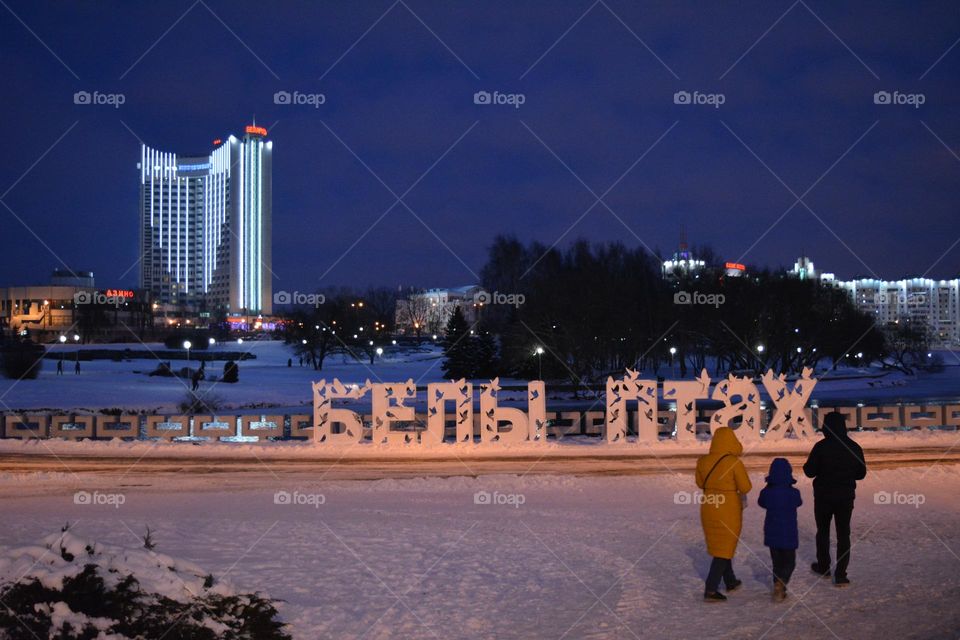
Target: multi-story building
[(205, 225), (934, 304), (428, 311), (72, 308)]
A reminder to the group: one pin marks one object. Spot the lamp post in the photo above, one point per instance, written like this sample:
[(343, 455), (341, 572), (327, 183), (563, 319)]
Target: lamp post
[(539, 353), (186, 345), (673, 369)]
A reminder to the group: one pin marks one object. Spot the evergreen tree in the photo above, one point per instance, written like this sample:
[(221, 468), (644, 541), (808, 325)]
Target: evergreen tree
[(458, 348), (485, 355)]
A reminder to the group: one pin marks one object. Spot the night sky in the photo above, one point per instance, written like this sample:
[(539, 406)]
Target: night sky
[(879, 183)]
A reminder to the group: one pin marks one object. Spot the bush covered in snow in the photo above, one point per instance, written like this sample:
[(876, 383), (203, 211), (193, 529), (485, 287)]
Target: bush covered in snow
[(70, 588)]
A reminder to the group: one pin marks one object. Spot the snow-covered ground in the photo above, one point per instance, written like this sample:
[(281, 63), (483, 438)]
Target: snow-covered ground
[(267, 381), (559, 557)]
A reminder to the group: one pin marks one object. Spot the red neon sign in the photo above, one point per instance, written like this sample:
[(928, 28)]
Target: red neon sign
[(217, 142), (118, 293), (736, 265), (257, 131)]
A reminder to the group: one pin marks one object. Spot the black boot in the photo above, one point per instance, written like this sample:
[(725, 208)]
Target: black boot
[(714, 596), (823, 572)]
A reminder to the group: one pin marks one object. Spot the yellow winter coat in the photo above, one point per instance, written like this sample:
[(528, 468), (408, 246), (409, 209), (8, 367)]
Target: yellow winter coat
[(720, 510)]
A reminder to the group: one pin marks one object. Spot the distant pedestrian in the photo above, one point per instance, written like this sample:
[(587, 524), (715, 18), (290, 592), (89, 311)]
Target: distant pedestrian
[(76, 367), (301, 361), (725, 484), (195, 378), (835, 464), (60, 366), (781, 500)]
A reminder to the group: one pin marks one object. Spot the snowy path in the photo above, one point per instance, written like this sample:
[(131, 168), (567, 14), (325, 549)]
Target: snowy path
[(582, 557)]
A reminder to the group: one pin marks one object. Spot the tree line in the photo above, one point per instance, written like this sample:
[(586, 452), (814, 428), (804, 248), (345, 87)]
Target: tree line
[(592, 310)]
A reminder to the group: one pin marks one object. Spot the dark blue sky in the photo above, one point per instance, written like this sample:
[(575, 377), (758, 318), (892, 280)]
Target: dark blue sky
[(798, 81)]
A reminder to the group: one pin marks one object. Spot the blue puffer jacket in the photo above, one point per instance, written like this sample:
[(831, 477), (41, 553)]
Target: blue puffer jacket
[(781, 500)]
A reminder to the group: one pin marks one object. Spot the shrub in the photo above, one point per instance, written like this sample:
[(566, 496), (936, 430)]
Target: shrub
[(22, 359), (70, 588)]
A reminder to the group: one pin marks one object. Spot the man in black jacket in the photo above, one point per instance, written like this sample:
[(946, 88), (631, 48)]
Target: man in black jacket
[(835, 464)]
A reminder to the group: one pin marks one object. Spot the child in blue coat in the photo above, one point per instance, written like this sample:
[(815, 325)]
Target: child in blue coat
[(781, 500)]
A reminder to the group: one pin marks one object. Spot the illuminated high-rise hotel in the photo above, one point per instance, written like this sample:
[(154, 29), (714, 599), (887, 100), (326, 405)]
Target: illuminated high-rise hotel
[(205, 222)]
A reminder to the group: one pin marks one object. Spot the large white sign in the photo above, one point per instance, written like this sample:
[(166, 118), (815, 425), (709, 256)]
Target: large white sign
[(392, 403)]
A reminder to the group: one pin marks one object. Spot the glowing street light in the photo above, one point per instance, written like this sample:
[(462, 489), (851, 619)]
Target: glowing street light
[(186, 345), (760, 348), (63, 339), (76, 337), (539, 353), (239, 340), (379, 351), (212, 341)]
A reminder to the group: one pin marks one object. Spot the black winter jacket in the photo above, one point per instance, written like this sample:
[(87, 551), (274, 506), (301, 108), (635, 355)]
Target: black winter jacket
[(835, 464)]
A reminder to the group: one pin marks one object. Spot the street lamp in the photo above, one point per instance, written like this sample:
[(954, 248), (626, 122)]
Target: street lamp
[(212, 341), (760, 348), (186, 345), (63, 339), (76, 337), (539, 353), (673, 369), (239, 340), (379, 351)]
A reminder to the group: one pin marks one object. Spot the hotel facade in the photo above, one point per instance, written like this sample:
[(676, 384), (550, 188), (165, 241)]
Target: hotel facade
[(205, 225)]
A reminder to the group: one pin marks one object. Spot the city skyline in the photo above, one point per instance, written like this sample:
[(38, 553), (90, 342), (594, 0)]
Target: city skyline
[(395, 171)]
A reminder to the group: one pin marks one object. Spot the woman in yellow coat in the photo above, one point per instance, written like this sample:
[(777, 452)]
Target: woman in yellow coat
[(725, 484)]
